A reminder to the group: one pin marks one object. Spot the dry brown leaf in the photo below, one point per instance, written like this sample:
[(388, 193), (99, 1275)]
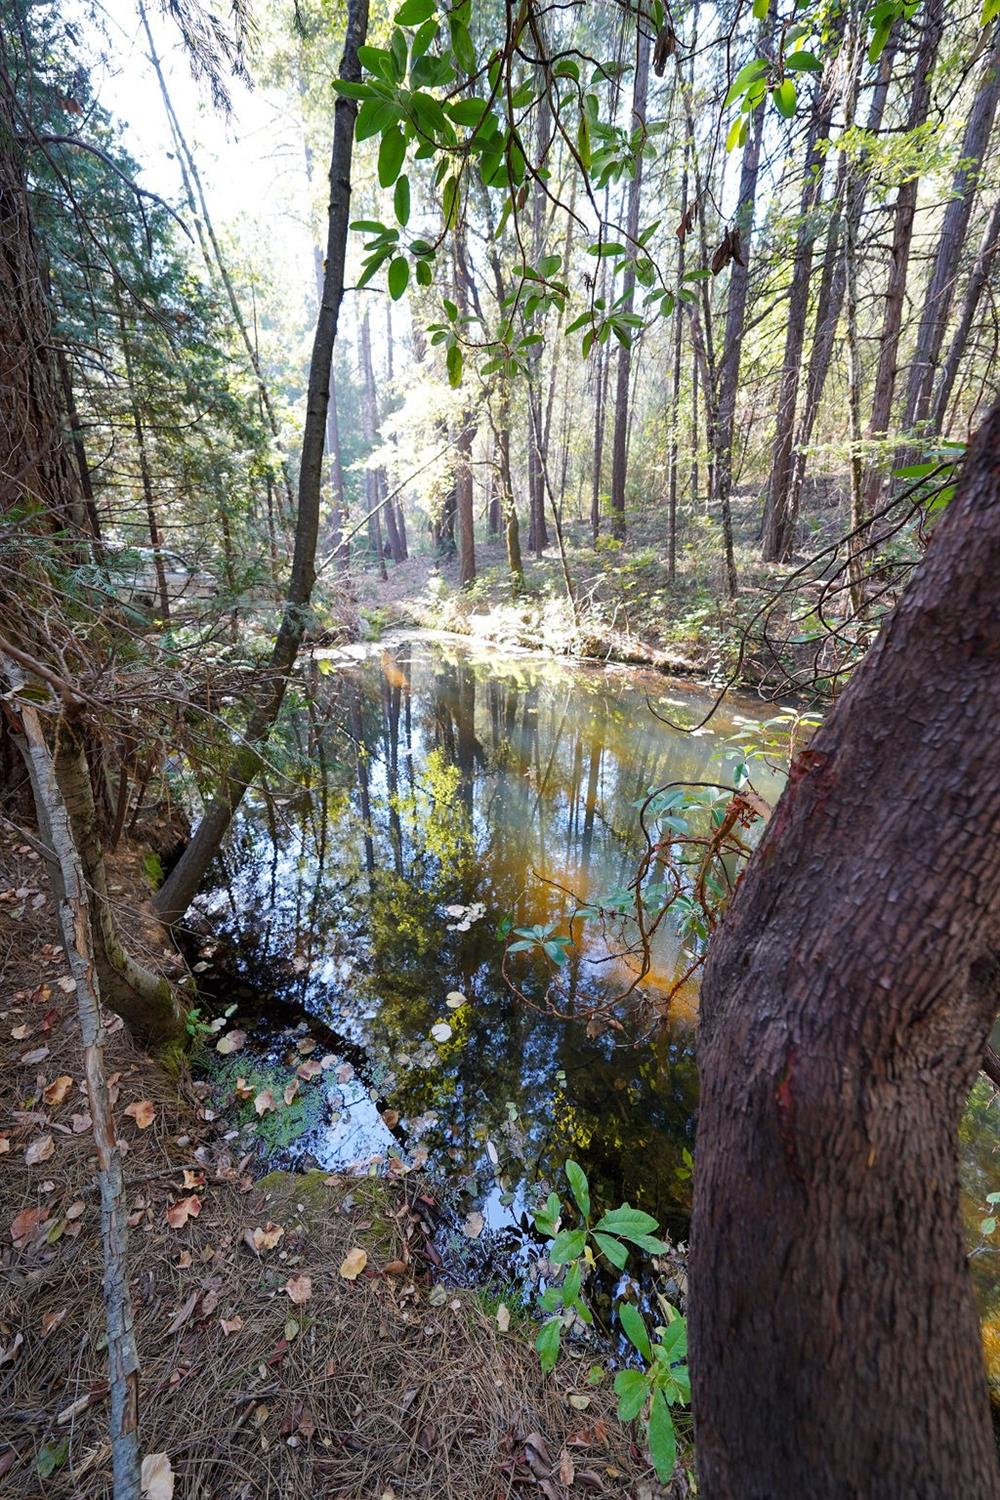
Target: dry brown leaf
[(307, 1424), (80, 1123), (353, 1264), (263, 1102), (40, 1149), (184, 1260), (37, 1055), (231, 1042), (291, 1089), (391, 1117), (56, 1091), (267, 1238), (52, 1320), (503, 1317), (66, 984), (20, 1033), (231, 1325), (76, 1209), (184, 1312), (307, 1045), (567, 1469), (157, 1477), (345, 1072), (308, 1070), (299, 1289), (242, 1089), (4, 1144), (178, 1213), (23, 1226), (142, 1112), (473, 1225)]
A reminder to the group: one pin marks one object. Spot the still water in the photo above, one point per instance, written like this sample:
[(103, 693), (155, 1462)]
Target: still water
[(449, 790), (430, 792)]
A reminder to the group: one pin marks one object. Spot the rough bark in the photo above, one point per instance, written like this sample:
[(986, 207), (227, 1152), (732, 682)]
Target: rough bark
[(846, 1002), (954, 225), (619, 441), (177, 892), (464, 515)]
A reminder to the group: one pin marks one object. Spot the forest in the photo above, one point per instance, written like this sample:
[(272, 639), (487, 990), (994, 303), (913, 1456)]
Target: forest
[(499, 932)]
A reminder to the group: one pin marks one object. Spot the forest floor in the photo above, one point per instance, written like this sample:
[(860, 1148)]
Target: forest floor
[(628, 608), (291, 1339)]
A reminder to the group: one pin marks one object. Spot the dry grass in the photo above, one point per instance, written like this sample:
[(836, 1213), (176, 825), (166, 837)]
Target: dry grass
[(368, 1388)]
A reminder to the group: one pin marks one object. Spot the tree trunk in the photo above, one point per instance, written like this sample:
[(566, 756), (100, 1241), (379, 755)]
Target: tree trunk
[(177, 892), (72, 905), (728, 373), (145, 474), (538, 536), (899, 258), (778, 534), (374, 479), (846, 1001), (79, 447), (619, 442), (941, 287), (978, 278), (675, 391), (464, 514)]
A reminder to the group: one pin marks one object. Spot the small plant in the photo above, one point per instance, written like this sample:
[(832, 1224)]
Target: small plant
[(541, 939), (646, 1394)]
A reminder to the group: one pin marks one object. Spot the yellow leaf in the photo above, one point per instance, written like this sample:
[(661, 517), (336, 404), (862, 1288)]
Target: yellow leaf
[(353, 1264), (157, 1477), (142, 1112), (56, 1091)]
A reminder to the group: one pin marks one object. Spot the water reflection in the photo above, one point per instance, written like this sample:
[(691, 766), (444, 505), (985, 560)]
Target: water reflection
[(447, 791)]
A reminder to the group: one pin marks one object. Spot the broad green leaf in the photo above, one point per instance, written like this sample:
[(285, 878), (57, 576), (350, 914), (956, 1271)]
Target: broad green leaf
[(455, 362), (662, 1440), (916, 471), (760, 9), (401, 199), (449, 202), (627, 1222), (635, 1329), (424, 276), (351, 90), (613, 1249), (572, 1283), (803, 62), (631, 1388), (391, 155), (748, 74), (581, 1190), (737, 132), (988, 1226), (373, 116), (399, 276), (413, 12), (467, 111), (547, 1342), (567, 1246), (785, 98)]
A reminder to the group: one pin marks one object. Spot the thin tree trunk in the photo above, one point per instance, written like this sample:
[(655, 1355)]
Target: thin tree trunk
[(338, 495), (79, 447), (619, 446), (512, 530), (778, 535), (191, 178), (978, 278), (675, 393), (538, 537), (75, 929), (145, 474), (899, 257), (835, 1346), (954, 225), (464, 514), (830, 299), (178, 890), (728, 372)]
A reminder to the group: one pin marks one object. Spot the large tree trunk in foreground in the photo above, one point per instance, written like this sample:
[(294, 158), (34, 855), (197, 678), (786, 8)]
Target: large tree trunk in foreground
[(846, 1002), (177, 892)]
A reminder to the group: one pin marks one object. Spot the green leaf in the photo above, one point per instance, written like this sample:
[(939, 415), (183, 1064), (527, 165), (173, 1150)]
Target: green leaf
[(583, 141), (916, 471), (547, 1343), (401, 199), (581, 1190), (467, 111), (662, 1439), (373, 116), (367, 226), (988, 1226), (391, 155), (572, 1283), (785, 98), (747, 75), (631, 1388), (465, 53), (378, 61), (803, 62), (737, 132), (399, 276), (351, 90), (613, 1249), (413, 12), (424, 276), (760, 9), (51, 1457), (627, 1222), (455, 362), (449, 202), (567, 1246), (635, 1330)]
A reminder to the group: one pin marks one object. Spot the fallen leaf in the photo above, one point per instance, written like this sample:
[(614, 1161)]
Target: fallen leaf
[(231, 1325), (157, 1477), (473, 1226), (8, 1355), (300, 1288), (184, 1312), (23, 1226), (308, 1070), (185, 1208), (263, 1102), (567, 1470), (193, 1179), (242, 1089), (291, 1089), (40, 1149), (391, 1117), (4, 1144), (327, 1061), (39, 1054), (345, 1072), (454, 999), (267, 1238), (307, 1424), (20, 1033), (184, 1260), (441, 1032), (142, 1112), (503, 1317), (52, 1320), (306, 1045), (80, 1123), (76, 1209), (231, 1042), (66, 984), (56, 1091), (353, 1264)]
